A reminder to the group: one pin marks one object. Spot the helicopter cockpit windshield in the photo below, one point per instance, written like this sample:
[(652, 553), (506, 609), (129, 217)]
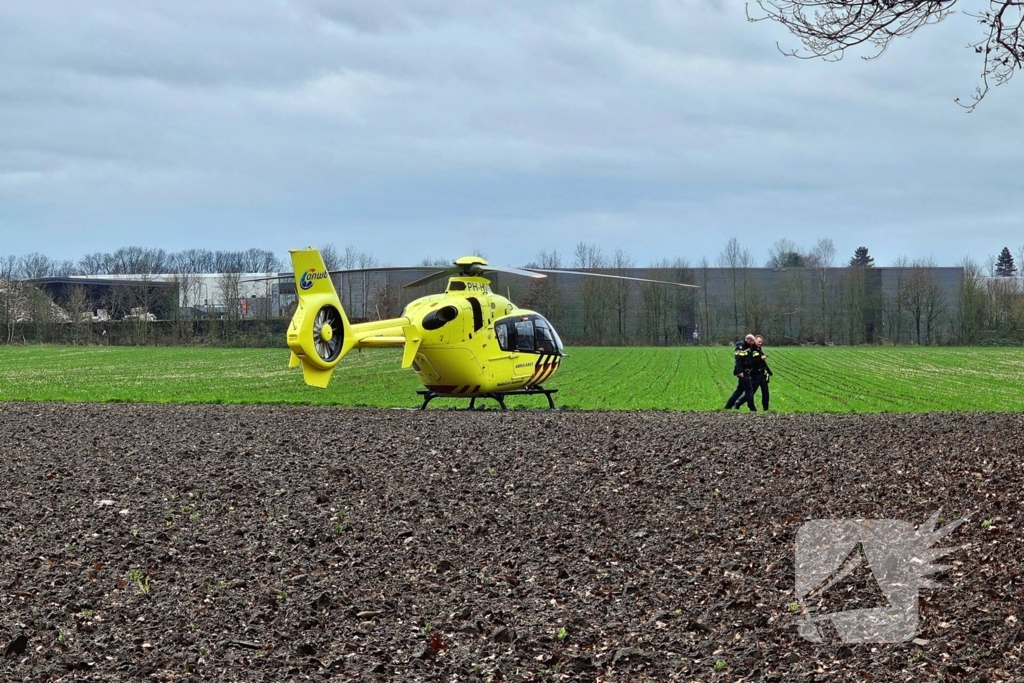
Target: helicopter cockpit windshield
[(528, 334)]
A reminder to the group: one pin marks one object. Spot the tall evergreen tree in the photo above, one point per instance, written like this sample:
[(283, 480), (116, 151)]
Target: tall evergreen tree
[(862, 259), (1004, 264), (793, 259)]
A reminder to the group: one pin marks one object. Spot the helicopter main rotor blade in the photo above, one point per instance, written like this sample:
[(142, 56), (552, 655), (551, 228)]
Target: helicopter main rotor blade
[(512, 271), (479, 269), (431, 278), (268, 278), (382, 269), (614, 277)]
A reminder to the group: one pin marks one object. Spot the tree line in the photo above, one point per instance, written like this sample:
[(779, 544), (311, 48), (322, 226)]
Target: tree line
[(798, 295), (140, 261), (135, 260)]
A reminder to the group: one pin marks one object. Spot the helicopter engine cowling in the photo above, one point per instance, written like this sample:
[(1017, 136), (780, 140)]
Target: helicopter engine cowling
[(435, 320)]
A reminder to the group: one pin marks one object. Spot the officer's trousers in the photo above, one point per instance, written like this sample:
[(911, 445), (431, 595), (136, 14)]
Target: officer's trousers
[(744, 394), (760, 381)]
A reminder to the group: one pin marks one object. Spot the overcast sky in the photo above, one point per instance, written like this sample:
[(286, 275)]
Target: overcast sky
[(411, 128)]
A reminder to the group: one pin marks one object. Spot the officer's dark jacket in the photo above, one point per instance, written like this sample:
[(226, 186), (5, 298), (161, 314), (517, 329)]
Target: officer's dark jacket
[(758, 363), (744, 357)]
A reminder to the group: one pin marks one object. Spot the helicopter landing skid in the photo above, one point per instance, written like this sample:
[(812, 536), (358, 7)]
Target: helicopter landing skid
[(498, 396)]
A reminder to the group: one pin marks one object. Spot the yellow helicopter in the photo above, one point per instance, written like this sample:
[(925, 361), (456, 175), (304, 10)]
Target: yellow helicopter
[(466, 343)]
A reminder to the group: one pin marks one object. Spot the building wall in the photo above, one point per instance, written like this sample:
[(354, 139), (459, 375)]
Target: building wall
[(789, 306)]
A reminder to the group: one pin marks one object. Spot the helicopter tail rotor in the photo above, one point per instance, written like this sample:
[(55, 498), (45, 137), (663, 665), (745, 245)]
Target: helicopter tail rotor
[(320, 333)]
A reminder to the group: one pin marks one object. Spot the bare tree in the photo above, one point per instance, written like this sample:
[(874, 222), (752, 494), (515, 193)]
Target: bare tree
[(594, 292), (93, 264), (684, 299), (227, 261), (823, 254), (971, 302), (828, 28), (187, 267), (34, 266), (65, 268), (229, 289), (706, 316), (8, 296), (934, 303), (366, 260), (759, 309), (385, 300), (856, 303), (925, 303), (737, 259), (657, 303), (256, 260), (332, 259), (202, 260), (544, 295), (823, 259), (355, 286), (790, 310), (895, 302), (622, 263), (141, 296), (78, 305), (1004, 304), (785, 254), (138, 260)]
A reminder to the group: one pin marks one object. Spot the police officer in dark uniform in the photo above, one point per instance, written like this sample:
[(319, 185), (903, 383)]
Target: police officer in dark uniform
[(744, 354), (759, 371)]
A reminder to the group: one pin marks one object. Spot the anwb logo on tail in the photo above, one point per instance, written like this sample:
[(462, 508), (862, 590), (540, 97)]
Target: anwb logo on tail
[(309, 277)]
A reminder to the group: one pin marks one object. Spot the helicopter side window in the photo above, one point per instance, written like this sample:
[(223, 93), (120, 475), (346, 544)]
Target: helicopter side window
[(501, 330), (532, 334), (524, 335), (547, 338), (544, 341)]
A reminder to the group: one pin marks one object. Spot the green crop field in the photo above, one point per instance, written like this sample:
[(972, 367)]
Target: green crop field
[(838, 379)]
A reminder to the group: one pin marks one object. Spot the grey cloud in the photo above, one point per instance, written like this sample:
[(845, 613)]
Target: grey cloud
[(636, 122)]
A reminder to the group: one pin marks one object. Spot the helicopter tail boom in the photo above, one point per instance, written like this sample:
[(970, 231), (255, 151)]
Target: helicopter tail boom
[(319, 334)]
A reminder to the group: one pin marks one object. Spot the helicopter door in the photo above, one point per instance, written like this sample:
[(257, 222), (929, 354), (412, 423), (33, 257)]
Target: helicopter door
[(508, 333), (523, 338)]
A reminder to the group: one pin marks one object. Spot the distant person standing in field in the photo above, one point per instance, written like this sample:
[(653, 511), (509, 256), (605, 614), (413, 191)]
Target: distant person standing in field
[(759, 372), (744, 356)]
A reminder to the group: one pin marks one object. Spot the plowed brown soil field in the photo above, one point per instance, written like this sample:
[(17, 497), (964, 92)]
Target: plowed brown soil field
[(162, 543)]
